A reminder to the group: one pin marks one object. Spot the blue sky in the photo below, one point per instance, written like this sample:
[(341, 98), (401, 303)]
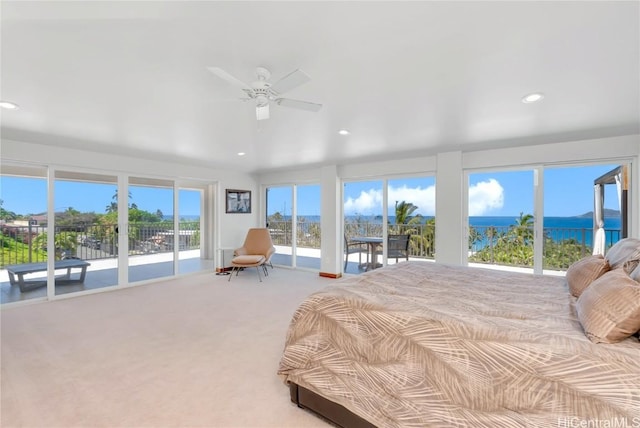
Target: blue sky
[(568, 192), (29, 196)]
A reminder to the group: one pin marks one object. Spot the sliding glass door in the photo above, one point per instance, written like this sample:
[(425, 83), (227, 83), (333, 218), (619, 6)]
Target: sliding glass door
[(501, 218), (293, 219), (546, 218), (23, 241), (363, 225), (572, 224), (189, 230), (151, 230), (86, 230), (308, 232), (280, 223), (411, 208)]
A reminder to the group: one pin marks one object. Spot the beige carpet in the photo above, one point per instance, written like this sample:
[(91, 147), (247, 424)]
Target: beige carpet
[(191, 352)]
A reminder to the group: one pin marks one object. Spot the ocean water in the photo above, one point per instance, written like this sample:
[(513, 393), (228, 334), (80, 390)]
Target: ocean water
[(499, 221), (558, 228), (548, 222)]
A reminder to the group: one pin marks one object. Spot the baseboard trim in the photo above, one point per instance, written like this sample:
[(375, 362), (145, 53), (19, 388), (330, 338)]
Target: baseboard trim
[(330, 275)]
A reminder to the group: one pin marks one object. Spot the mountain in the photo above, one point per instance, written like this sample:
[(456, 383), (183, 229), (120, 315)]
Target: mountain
[(607, 213)]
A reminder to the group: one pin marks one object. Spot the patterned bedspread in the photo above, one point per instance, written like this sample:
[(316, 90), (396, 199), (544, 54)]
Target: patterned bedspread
[(421, 344)]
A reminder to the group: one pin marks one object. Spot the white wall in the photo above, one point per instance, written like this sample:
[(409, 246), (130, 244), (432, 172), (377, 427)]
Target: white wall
[(451, 221)]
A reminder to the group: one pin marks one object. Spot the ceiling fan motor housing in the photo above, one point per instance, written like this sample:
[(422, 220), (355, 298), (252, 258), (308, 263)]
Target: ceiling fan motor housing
[(263, 92), (261, 100)]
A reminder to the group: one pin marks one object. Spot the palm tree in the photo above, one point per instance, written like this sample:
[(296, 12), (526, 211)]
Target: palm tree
[(523, 229), (474, 236), (404, 211), (113, 206)]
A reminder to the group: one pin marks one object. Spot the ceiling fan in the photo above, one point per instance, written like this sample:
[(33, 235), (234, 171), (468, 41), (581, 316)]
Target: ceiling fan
[(264, 92)]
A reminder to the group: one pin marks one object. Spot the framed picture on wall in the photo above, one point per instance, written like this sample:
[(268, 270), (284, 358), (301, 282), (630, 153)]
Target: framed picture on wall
[(238, 201)]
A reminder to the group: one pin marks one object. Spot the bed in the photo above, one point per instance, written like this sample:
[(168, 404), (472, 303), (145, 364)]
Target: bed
[(421, 344)]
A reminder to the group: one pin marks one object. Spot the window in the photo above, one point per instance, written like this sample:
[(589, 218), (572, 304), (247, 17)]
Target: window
[(501, 218), (569, 223), (294, 211), (23, 219)]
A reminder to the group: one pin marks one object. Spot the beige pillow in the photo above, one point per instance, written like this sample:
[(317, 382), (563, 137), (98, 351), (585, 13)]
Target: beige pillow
[(583, 272), (609, 309), (625, 254)]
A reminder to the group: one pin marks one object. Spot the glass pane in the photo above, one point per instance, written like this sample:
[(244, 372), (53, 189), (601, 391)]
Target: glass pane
[(151, 230), (569, 225), (363, 218), (189, 215), (279, 222), (85, 231), (411, 204), (23, 217), (308, 226), (501, 218)]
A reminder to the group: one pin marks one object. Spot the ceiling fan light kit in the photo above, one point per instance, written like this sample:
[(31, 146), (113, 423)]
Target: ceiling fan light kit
[(263, 92)]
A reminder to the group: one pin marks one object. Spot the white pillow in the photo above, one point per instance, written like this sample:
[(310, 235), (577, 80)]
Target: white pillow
[(635, 274), (625, 254)]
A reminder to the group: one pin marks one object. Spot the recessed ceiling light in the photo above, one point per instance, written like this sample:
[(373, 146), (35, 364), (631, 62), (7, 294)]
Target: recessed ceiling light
[(241, 153), (8, 105), (344, 132), (532, 98)]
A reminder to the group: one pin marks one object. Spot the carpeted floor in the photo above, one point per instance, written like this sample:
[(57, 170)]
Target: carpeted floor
[(197, 351)]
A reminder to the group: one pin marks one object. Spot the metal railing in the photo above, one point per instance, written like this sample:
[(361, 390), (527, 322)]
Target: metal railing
[(422, 244), (28, 244), (504, 245)]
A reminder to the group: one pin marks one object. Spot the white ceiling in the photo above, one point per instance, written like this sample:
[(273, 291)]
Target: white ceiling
[(406, 78)]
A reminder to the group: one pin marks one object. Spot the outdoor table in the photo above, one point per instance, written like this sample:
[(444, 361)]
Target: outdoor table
[(373, 242)]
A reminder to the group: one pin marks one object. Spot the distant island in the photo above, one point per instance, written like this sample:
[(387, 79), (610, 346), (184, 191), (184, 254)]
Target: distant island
[(607, 213)]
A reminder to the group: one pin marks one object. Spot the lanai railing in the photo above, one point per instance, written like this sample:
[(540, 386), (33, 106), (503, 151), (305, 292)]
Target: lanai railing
[(502, 245), (28, 243)]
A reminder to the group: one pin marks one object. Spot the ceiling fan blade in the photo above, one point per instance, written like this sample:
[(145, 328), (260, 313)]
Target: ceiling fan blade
[(262, 112), (302, 105), (229, 78), (290, 81)]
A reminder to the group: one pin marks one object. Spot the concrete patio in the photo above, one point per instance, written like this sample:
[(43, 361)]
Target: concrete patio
[(104, 273)]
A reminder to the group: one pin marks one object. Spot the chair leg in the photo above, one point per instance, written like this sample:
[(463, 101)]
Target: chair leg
[(258, 270), (231, 273)]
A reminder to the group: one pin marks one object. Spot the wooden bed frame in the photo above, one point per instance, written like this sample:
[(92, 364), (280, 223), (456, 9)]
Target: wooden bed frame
[(326, 409)]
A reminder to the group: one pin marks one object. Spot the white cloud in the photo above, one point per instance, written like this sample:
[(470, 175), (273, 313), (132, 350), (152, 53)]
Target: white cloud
[(423, 198), (370, 202), (485, 196), (367, 203)]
